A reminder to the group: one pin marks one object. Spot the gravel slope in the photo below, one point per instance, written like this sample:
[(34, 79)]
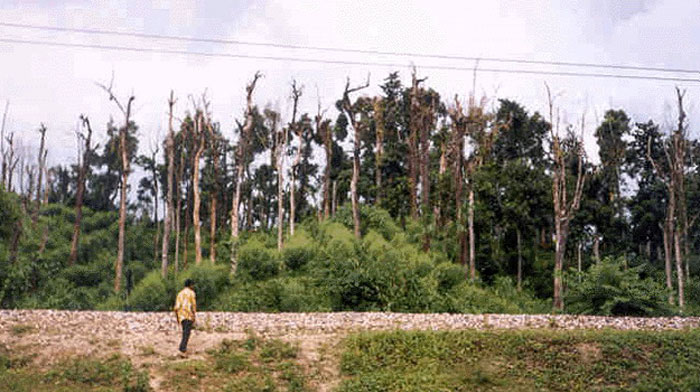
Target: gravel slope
[(150, 340)]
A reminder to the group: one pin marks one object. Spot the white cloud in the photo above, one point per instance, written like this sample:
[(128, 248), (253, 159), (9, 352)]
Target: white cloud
[(55, 85)]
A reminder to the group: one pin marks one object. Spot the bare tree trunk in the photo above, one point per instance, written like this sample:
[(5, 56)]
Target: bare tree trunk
[(667, 261), (335, 197), (45, 201), (579, 257), (214, 147), (80, 191), (241, 155), (294, 127), (178, 208), (520, 260), (379, 139), (350, 112), (170, 151), (12, 161), (459, 130), (199, 137), (3, 154), (679, 268), (353, 185), (472, 236), (279, 159), (563, 209), (414, 154), (596, 248), (126, 110), (156, 196), (188, 221), (327, 143), (41, 163)]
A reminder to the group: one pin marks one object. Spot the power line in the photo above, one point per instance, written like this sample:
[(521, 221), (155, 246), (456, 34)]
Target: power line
[(341, 62), (347, 50)]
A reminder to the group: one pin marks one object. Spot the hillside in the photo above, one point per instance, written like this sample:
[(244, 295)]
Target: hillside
[(51, 350)]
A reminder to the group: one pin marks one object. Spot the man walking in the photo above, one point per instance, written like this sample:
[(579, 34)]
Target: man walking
[(185, 312)]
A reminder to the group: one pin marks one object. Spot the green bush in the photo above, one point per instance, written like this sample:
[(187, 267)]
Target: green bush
[(610, 289), (84, 275), (297, 258), (256, 261), (153, 293), (470, 298), (209, 280), (448, 275)]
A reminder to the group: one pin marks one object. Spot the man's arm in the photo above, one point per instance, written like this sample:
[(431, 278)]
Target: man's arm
[(178, 305), (194, 309)]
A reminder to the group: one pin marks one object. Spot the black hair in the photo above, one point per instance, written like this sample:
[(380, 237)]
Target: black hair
[(189, 282)]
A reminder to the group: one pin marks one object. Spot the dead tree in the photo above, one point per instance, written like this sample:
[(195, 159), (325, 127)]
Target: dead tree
[(156, 196), (279, 145), (459, 123), (178, 209), (170, 151), (199, 140), (42, 163), (379, 140), (325, 134), (240, 166), (298, 131), (84, 162), (675, 223), (413, 143), (214, 148), (12, 160), (350, 113), (126, 111), (2, 146), (564, 209)]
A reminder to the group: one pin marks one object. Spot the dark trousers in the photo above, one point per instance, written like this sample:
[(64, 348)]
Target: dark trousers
[(186, 329)]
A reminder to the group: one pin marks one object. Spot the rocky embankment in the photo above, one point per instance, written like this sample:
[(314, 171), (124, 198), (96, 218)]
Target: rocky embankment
[(91, 322)]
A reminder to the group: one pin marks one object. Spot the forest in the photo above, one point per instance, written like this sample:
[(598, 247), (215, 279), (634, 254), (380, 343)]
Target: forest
[(406, 201)]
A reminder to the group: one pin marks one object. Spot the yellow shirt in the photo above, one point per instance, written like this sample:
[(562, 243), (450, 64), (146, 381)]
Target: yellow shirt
[(185, 304)]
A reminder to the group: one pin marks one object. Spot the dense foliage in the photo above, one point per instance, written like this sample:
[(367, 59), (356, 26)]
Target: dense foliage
[(456, 213)]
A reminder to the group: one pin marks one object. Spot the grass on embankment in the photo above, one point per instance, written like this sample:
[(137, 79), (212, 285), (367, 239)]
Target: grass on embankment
[(250, 365), (536, 360)]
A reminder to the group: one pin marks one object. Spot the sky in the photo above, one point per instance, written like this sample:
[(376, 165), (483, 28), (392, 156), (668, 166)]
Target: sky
[(55, 85)]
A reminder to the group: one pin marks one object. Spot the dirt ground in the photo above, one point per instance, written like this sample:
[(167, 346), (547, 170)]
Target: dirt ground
[(150, 339)]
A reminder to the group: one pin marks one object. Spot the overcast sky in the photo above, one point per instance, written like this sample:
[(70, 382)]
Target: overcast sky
[(55, 85)]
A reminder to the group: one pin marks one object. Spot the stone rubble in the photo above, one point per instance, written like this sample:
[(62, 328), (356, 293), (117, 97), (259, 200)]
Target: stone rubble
[(92, 322)]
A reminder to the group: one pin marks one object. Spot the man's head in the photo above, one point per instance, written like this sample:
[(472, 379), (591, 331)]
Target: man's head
[(189, 283)]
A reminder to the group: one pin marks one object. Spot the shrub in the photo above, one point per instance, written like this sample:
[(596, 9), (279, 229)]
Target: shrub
[(470, 298), (256, 261), (84, 275), (448, 275), (209, 280), (610, 289), (296, 258), (152, 293)]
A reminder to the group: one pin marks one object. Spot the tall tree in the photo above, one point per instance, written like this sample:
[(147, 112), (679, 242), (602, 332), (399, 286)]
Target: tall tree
[(564, 209), (297, 131), (240, 165), (83, 165), (200, 142), (214, 149), (125, 109), (324, 137), (41, 166), (3, 154), (673, 176), (170, 151), (349, 110)]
